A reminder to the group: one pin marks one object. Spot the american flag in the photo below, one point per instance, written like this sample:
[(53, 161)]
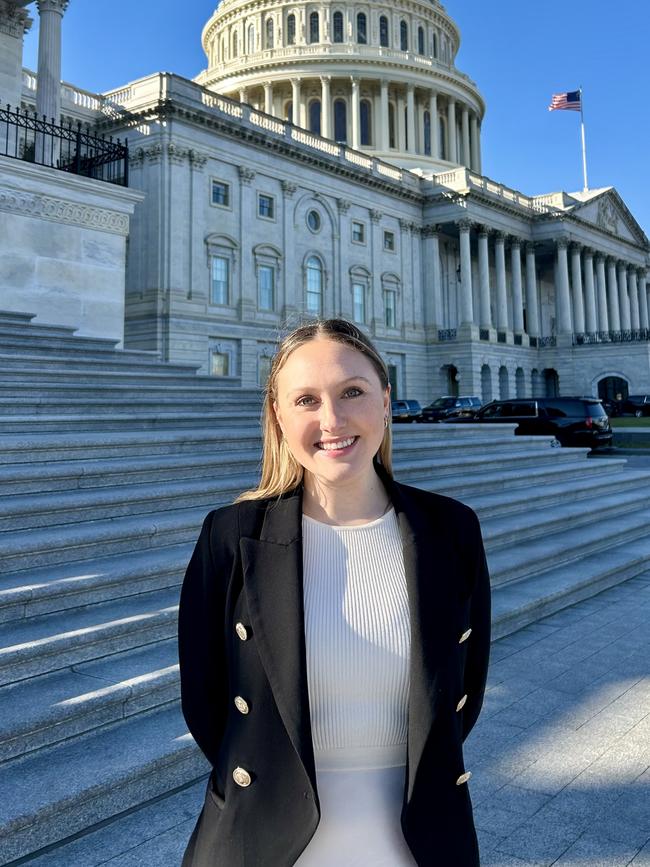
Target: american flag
[(570, 101)]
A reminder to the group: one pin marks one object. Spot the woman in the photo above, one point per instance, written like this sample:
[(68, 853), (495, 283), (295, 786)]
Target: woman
[(334, 633)]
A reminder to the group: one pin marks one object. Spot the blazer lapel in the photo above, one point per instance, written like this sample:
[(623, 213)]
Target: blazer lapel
[(272, 567)]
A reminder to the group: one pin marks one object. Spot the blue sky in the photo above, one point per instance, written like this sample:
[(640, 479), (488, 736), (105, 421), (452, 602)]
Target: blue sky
[(518, 51)]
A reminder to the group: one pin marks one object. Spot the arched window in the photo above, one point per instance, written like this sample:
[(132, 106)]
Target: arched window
[(235, 44), (269, 33), (314, 27), (435, 45), (314, 286), (362, 37), (340, 120), (251, 39), (383, 31), (391, 126), (337, 25), (403, 35), (291, 29), (427, 133), (365, 112), (420, 40), (314, 116)]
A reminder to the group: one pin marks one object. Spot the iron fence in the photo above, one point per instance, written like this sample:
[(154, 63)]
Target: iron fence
[(74, 149)]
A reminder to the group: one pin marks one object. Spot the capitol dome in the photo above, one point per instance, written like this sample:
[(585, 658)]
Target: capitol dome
[(379, 76)]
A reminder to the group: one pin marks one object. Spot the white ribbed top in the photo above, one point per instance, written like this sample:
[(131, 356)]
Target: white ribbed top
[(357, 633)]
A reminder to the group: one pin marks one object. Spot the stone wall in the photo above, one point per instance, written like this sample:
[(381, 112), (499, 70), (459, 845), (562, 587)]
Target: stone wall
[(63, 247)]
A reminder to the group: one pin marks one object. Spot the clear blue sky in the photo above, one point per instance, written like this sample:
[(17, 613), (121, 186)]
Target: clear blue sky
[(518, 51)]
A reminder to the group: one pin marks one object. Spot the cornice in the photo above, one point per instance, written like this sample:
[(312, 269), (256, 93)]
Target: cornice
[(60, 210)]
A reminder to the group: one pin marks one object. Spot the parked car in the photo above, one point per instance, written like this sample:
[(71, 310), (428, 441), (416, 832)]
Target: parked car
[(406, 410), (573, 421), (636, 404), (450, 407)]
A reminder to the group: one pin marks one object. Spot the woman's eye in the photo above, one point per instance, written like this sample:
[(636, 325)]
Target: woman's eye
[(304, 401), (353, 392)]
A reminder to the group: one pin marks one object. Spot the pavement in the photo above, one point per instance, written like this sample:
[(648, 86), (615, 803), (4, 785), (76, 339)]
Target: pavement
[(560, 757)]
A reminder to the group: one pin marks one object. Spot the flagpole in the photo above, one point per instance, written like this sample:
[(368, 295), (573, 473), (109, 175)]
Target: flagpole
[(584, 147)]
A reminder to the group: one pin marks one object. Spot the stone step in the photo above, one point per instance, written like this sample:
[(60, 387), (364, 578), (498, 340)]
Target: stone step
[(517, 604), (47, 589), (126, 406), (126, 421), (75, 374), (16, 317), (56, 641), (38, 392), (33, 339), (63, 790), (22, 329), (535, 556), (51, 708), (134, 360)]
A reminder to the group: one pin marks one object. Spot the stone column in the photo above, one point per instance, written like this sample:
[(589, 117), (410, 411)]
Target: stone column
[(383, 141), (14, 24), (474, 160), (612, 296), (400, 131), (466, 300), (452, 154), (479, 168), (517, 295), (633, 288), (325, 107), (243, 94), (532, 306), (601, 286), (355, 108), (562, 289), (590, 293), (431, 278), (268, 98), (576, 285), (410, 119), (644, 321), (502, 292), (248, 285), (48, 93), (485, 312), (296, 118), (623, 299), (433, 114), (467, 157)]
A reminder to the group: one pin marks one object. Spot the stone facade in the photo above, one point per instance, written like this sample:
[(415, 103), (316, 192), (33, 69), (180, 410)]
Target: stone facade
[(63, 247)]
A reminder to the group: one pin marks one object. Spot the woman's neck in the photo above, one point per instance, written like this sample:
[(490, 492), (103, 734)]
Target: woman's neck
[(351, 504)]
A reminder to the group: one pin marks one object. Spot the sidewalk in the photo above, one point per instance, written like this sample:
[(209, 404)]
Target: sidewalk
[(559, 758)]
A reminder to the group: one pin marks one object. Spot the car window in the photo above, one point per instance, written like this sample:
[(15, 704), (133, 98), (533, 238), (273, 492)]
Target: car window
[(566, 409), (595, 410), (492, 410), (475, 401), (464, 401)]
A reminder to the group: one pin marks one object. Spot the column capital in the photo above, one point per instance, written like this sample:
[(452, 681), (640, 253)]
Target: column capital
[(431, 230), (621, 265), (483, 230), (289, 188), (611, 261), (589, 252), (375, 215), (575, 247), (325, 79), (52, 6), (14, 20), (499, 237), (343, 205), (515, 241), (464, 225), (600, 257), (562, 243), (354, 81), (531, 247), (246, 175), (295, 81), (405, 225)]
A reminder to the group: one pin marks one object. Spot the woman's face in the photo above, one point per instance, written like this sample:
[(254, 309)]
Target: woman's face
[(331, 408)]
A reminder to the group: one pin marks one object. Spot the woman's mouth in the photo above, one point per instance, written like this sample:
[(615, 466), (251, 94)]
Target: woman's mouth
[(337, 446)]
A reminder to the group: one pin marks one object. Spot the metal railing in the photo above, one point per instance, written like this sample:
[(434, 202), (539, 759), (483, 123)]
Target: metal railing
[(25, 136), (638, 335)]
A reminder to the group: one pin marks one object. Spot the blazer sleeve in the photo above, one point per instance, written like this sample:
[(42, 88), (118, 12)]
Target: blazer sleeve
[(478, 644), (201, 642)]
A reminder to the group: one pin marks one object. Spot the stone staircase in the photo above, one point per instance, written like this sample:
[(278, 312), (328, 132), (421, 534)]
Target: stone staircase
[(109, 461)]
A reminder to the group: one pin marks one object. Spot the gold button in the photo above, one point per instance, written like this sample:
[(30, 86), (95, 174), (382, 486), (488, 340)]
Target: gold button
[(463, 778), (241, 704), (241, 777), (459, 706), (241, 630), (465, 636)]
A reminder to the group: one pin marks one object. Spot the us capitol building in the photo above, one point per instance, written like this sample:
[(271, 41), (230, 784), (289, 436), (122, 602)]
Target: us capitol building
[(327, 162)]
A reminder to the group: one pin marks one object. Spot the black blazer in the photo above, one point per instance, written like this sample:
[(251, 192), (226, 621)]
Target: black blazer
[(246, 571)]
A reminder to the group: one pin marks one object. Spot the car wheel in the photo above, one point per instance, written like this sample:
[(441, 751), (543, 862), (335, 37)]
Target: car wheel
[(638, 413)]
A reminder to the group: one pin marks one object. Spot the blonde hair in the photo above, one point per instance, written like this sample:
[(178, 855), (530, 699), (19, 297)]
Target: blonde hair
[(281, 472)]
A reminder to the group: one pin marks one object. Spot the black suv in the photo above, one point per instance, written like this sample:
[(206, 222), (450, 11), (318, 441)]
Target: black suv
[(636, 404), (450, 408), (573, 421), (405, 410)]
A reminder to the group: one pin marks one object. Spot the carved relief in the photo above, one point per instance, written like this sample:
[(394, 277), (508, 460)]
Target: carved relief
[(62, 211), (607, 217)]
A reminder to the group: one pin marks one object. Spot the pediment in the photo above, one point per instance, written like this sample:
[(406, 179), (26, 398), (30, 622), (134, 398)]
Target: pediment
[(608, 211)]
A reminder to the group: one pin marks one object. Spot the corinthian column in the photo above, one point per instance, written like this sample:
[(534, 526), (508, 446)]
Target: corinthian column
[(485, 313), (562, 289), (451, 131), (325, 107), (474, 161), (502, 292), (410, 119), (623, 300), (643, 301), (466, 301), (435, 126), (532, 307), (383, 141), (356, 138), (601, 282), (48, 93), (517, 297), (590, 293), (634, 300), (612, 296), (467, 161), (296, 118), (576, 281)]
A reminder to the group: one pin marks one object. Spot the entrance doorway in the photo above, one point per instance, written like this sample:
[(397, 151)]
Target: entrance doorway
[(613, 388)]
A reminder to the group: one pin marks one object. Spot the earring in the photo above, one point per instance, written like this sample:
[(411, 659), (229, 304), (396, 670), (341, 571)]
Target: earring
[(385, 422)]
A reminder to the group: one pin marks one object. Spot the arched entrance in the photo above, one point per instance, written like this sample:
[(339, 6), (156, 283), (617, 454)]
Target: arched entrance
[(486, 383), (520, 383), (551, 382), (613, 388), (504, 383), (449, 379)]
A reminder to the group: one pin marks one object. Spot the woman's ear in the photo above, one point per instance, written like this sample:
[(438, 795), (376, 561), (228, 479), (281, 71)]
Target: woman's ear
[(276, 413)]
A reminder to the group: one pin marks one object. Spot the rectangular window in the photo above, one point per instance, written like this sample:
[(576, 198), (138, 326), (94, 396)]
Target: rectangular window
[(266, 206), (220, 280), (390, 309), (359, 302), (221, 194), (219, 364), (389, 240), (266, 286), (263, 369), (358, 232)]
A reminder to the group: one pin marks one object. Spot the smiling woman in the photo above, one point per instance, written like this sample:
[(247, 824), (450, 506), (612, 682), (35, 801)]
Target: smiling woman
[(326, 672)]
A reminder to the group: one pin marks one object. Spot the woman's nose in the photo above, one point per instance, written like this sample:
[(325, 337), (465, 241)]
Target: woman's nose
[(331, 415)]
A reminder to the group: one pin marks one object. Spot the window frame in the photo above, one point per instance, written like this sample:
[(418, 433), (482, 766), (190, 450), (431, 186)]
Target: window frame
[(227, 186), (362, 18), (266, 267), (384, 32), (214, 257), (291, 28), (271, 198), (362, 239), (309, 292), (337, 17), (314, 17), (390, 293), (389, 248), (216, 351)]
